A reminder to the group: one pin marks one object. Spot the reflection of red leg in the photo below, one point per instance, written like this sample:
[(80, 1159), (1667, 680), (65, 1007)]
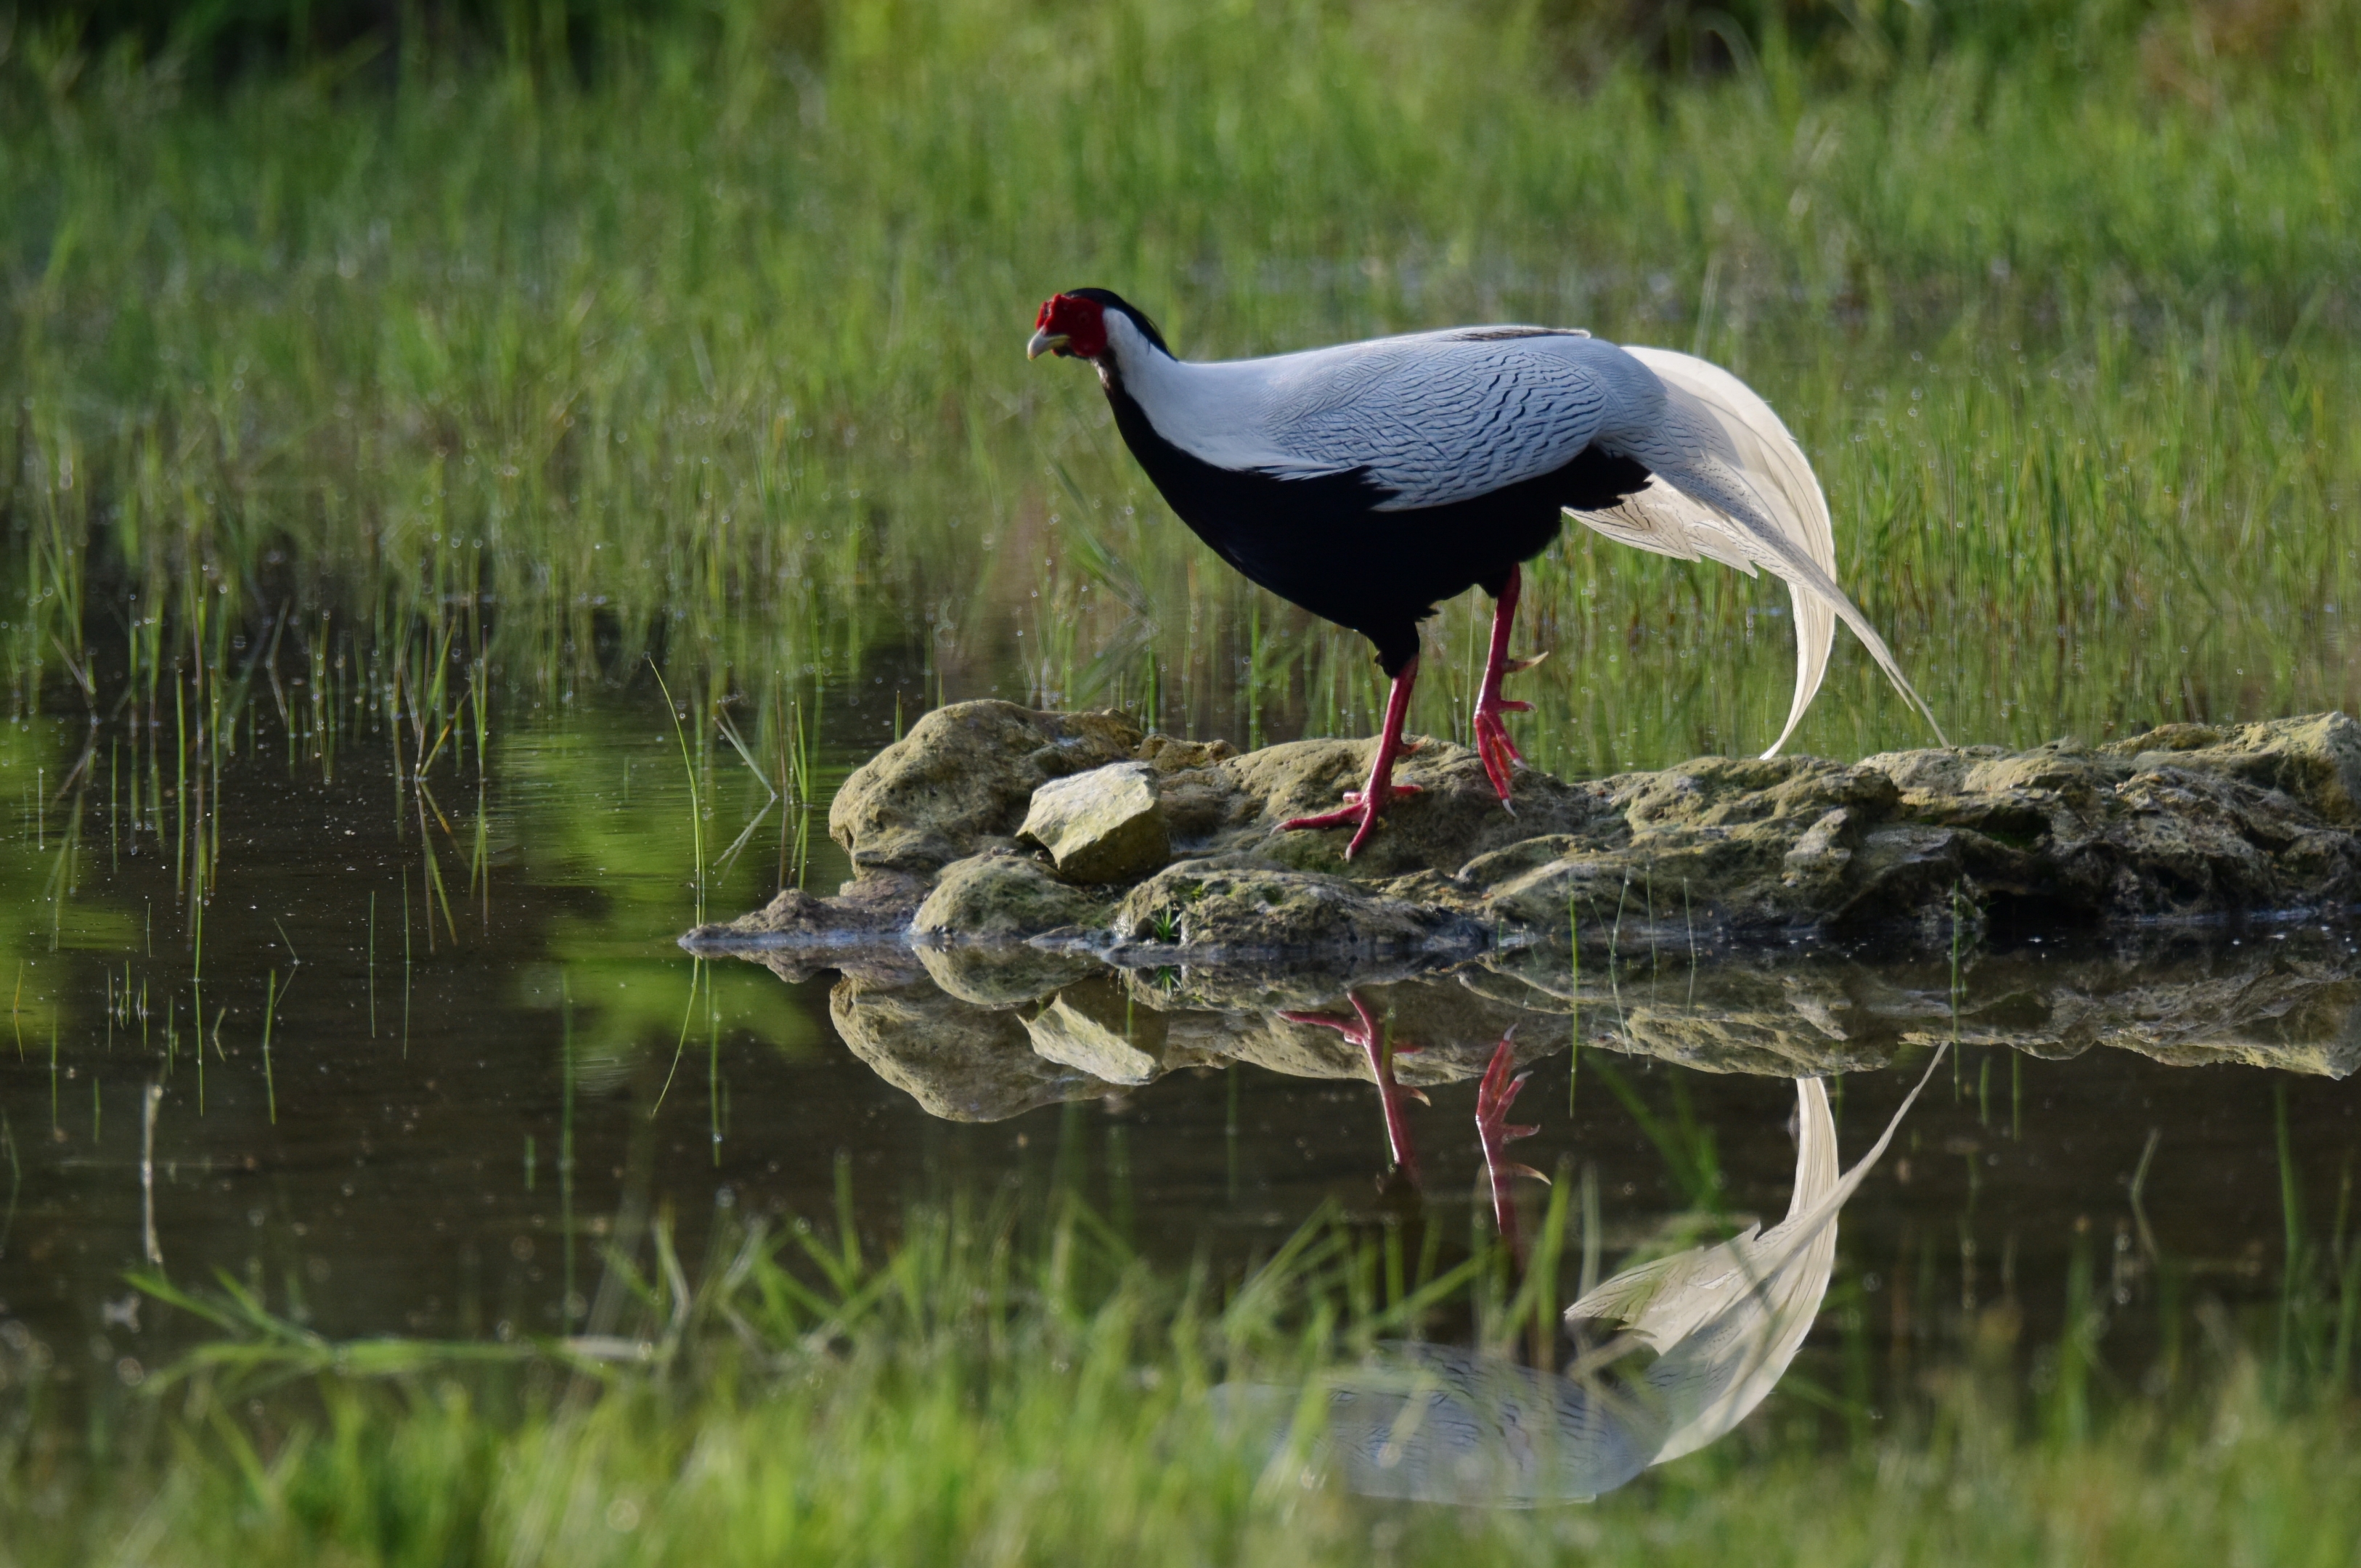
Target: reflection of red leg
[(1492, 743), (1363, 806), (1362, 1030), (1494, 1095)]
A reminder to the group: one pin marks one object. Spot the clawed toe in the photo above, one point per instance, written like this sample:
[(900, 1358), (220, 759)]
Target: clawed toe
[(1360, 812), (1361, 1029), (1494, 1095), (1360, 818), (1498, 754)]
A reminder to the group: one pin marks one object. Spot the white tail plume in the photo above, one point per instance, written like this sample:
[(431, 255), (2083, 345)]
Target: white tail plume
[(1732, 486)]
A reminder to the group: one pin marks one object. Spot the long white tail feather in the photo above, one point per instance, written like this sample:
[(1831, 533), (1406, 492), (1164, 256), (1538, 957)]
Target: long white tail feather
[(1732, 486)]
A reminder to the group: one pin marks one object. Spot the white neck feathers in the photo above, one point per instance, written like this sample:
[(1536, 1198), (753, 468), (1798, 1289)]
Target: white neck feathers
[(1218, 413)]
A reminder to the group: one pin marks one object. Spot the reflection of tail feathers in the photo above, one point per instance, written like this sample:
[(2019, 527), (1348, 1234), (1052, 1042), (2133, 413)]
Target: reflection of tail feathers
[(1436, 1424), (1725, 1320), (1430, 1423)]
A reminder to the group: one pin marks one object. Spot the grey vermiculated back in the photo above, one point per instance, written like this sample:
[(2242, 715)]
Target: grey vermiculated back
[(1433, 420), (1430, 417)]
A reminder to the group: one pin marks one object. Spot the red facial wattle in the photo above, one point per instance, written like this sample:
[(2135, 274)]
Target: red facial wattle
[(1070, 327)]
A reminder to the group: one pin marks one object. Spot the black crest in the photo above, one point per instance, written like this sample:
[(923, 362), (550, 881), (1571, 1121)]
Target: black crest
[(1107, 299)]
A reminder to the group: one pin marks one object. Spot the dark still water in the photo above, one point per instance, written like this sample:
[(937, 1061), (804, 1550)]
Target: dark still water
[(406, 1059)]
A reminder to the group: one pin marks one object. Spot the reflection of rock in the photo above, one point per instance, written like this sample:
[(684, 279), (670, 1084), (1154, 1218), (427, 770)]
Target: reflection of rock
[(1764, 1043), (1308, 1050), (1106, 825), (2290, 1001), (959, 1062), (863, 927), (1002, 974), (966, 1049), (1004, 1028), (2182, 822), (1064, 1033), (2293, 1002)]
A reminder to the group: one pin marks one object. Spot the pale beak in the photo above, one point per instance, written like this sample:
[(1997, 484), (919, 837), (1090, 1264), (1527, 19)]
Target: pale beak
[(1045, 342)]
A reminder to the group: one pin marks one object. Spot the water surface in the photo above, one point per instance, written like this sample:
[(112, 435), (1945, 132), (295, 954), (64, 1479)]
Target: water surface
[(429, 1051)]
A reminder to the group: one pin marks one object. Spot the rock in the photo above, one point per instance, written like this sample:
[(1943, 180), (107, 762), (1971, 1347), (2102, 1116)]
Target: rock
[(866, 910), (964, 774), (2184, 823), (1103, 826), (2314, 761), (1220, 912), (959, 1062), (1001, 895), (1716, 908)]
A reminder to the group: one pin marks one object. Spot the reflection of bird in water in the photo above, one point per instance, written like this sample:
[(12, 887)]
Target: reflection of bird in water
[(1438, 1424), (1361, 1029), (1494, 1094), (1371, 481)]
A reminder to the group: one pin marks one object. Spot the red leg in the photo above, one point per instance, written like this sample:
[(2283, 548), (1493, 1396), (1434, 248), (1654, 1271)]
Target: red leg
[(1492, 743), (1494, 1095), (1364, 805), (1362, 1030)]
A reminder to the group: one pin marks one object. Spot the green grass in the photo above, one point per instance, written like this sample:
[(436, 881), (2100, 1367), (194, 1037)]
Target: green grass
[(993, 1392), (487, 380)]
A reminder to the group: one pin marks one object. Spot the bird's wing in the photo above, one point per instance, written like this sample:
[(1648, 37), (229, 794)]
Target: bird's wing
[(1731, 484), (1441, 417)]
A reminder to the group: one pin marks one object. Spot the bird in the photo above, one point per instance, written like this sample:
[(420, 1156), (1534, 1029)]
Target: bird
[(1370, 481)]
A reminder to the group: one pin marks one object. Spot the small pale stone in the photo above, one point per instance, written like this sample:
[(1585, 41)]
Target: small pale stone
[(1066, 1035), (1103, 825)]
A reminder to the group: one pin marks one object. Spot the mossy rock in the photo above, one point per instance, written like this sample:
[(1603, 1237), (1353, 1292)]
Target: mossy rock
[(1002, 896)]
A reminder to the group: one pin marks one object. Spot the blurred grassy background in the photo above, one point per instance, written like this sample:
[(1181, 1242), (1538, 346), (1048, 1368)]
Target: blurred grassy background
[(513, 342), (1009, 1383)]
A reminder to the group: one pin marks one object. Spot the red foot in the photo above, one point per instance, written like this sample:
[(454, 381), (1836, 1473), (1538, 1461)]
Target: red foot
[(1362, 1030), (1494, 1095), (1501, 758), (1360, 812)]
